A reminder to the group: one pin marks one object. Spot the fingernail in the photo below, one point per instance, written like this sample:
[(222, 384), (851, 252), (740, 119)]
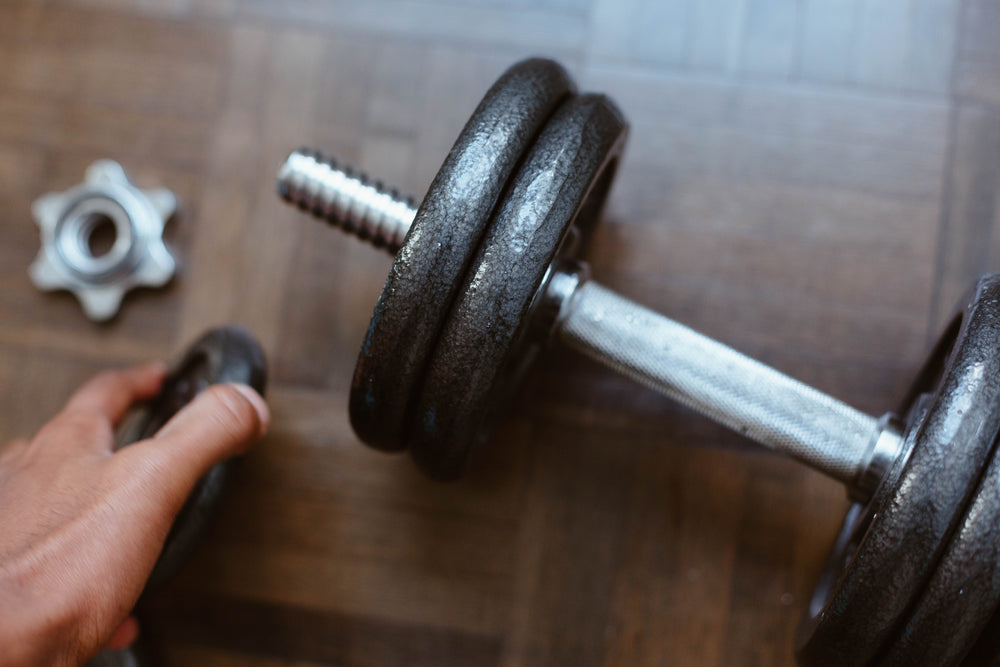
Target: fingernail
[(263, 413)]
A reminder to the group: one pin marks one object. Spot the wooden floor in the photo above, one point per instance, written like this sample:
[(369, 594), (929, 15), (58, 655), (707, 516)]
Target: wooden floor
[(813, 182)]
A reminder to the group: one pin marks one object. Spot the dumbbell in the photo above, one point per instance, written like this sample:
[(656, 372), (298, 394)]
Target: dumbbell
[(485, 277), (220, 355)]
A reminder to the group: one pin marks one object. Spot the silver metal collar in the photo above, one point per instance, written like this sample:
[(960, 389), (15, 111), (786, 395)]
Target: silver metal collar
[(137, 257)]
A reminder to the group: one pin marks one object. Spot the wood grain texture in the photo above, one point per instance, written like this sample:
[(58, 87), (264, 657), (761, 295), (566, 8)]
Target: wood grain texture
[(812, 182)]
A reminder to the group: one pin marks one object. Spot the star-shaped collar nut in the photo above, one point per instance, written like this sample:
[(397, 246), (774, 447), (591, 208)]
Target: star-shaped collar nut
[(137, 258)]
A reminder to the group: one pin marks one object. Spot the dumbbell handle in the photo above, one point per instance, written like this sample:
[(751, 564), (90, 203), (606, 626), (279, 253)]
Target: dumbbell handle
[(753, 399)]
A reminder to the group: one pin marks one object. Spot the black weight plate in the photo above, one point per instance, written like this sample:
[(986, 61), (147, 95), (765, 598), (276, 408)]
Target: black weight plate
[(909, 522), (859, 516), (964, 590), (135, 655), (225, 354), (561, 187), (435, 255), (986, 651)]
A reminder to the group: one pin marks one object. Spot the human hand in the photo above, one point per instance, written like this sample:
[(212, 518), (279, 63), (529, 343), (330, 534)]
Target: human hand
[(81, 525)]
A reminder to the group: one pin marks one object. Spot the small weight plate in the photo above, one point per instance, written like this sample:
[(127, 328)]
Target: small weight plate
[(964, 590), (561, 187), (436, 252), (135, 655), (222, 355), (898, 540)]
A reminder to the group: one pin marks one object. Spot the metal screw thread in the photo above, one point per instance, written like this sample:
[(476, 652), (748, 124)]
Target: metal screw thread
[(345, 199)]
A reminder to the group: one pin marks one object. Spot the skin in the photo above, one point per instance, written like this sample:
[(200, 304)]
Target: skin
[(81, 525)]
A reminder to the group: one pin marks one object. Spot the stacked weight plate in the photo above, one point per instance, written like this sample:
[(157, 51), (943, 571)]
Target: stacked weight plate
[(520, 189), (913, 578)]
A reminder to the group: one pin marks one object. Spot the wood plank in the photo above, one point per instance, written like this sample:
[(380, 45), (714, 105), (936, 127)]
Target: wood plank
[(525, 27), (968, 242), (828, 29), (933, 42), (715, 39), (255, 629), (770, 43), (977, 76), (662, 32)]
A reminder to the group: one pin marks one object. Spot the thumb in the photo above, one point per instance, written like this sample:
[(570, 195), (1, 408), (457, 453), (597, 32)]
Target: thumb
[(221, 422)]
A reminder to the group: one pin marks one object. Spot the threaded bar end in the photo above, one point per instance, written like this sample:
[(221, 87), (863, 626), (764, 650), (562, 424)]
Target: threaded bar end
[(318, 185)]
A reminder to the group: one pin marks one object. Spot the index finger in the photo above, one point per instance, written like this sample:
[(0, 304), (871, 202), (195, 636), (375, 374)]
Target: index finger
[(111, 393)]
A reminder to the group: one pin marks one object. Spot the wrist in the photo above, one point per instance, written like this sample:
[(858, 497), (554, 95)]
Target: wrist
[(16, 634), (29, 634)]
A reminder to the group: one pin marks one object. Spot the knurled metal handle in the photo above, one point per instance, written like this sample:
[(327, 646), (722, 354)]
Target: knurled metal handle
[(732, 389)]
